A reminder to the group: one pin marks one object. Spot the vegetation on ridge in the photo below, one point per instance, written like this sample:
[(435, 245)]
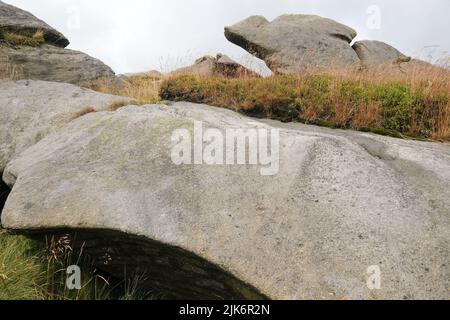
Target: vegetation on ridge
[(397, 106), (16, 39), (144, 89), (412, 103)]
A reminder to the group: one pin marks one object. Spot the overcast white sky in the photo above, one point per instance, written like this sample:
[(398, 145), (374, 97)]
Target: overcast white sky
[(139, 35)]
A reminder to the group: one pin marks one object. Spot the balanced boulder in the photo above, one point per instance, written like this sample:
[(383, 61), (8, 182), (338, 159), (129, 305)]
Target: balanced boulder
[(294, 43), (20, 22), (30, 110), (342, 206)]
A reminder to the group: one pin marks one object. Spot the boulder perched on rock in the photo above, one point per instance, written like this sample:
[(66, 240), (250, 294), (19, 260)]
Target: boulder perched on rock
[(293, 43), (20, 22), (50, 63), (342, 204), (30, 110), (297, 43), (221, 65)]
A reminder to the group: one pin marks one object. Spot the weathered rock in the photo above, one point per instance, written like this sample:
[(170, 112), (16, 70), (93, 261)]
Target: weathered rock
[(340, 203), (203, 66), (46, 61), (376, 53), (50, 63), (221, 65), (229, 68), (381, 57), (293, 43), (18, 21), (30, 110)]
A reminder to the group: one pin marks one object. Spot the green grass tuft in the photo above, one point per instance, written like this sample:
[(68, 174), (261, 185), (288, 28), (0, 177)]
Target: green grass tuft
[(31, 270), (21, 271)]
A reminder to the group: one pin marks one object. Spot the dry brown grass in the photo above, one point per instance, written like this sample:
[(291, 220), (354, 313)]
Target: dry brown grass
[(15, 39), (9, 71), (442, 131), (83, 112), (144, 89), (408, 100), (114, 106)]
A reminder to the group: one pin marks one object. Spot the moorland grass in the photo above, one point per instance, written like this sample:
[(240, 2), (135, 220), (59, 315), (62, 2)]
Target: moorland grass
[(399, 106), (16, 39), (144, 89)]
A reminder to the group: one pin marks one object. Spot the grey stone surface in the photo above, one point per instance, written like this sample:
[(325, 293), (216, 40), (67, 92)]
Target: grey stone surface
[(227, 67), (51, 63), (30, 110), (341, 202), (13, 19), (375, 53), (220, 65), (203, 66), (293, 43)]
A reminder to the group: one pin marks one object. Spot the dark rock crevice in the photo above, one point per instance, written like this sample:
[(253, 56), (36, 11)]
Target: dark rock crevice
[(342, 37), (4, 192), (176, 272)]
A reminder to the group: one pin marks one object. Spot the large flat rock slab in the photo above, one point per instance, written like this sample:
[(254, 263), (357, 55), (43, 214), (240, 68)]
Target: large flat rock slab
[(30, 110), (340, 203), (18, 21), (295, 43)]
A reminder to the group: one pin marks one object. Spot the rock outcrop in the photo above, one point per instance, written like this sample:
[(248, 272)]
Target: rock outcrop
[(43, 59), (50, 63), (340, 203), (377, 53), (18, 21), (221, 65), (293, 43), (298, 43), (30, 110)]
